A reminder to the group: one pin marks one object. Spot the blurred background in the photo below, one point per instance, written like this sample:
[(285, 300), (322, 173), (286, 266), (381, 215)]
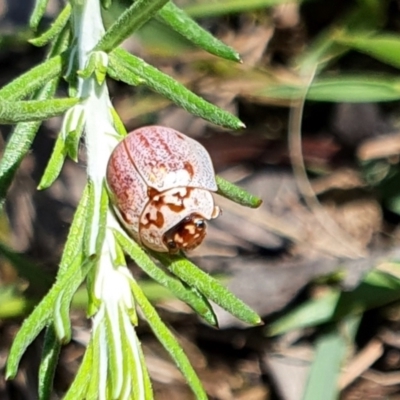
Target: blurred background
[(319, 259)]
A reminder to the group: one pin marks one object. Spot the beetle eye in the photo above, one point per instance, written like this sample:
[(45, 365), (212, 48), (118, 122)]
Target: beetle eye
[(172, 246), (200, 223)]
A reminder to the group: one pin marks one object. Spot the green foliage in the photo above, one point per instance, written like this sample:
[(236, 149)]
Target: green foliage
[(84, 54)]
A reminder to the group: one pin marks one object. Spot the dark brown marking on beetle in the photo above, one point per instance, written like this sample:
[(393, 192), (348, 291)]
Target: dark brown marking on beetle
[(189, 168), (158, 222), (173, 206), (151, 192)]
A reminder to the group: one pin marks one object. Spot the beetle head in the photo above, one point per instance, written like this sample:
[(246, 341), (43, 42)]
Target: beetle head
[(187, 234)]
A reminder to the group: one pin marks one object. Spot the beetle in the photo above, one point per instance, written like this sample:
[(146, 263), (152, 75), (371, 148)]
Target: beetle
[(160, 182)]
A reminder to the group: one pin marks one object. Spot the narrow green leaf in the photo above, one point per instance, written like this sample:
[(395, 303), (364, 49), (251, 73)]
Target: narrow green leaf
[(114, 357), (357, 88), (48, 364), (207, 9), (126, 64), (182, 292), (383, 47), (30, 329), (128, 22), (148, 389), (54, 165), (37, 13), (32, 80), (376, 290), (56, 27), (237, 194), (62, 305), (129, 364), (83, 377), (93, 385), (363, 16), (39, 318), (330, 353), (19, 144), (211, 288), (101, 233), (169, 342), (33, 110), (310, 313), (73, 139), (73, 245), (179, 21), (118, 124)]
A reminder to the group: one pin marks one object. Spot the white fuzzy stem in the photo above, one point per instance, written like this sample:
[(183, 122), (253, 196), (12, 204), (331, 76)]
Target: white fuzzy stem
[(100, 136)]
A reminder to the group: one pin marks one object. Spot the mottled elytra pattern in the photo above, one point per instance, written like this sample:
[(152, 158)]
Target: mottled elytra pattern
[(160, 182)]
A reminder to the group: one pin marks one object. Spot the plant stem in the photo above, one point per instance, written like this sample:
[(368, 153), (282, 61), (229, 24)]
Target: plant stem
[(100, 135)]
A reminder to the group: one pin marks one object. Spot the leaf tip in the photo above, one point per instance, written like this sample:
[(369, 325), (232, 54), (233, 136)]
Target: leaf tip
[(256, 202)]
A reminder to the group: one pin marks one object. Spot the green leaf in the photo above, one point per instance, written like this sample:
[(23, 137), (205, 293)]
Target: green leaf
[(56, 27), (73, 245), (383, 47), (118, 124), (179, 21), (128, 22), (137, 371), (330, 353), (237, 194), (37, 13), (40, 317), (54, 165), (33, 110), (206, 9), (376, 290), (48, 363), (84, 376), (169, 342), (32, 80), (208, 286), (310, 313), (365, 16), (125, 64), (114, 356), (101, 233), (357, 88), (182, 292), (93, 385), (71, 131), (19, 144), (62, 304)]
